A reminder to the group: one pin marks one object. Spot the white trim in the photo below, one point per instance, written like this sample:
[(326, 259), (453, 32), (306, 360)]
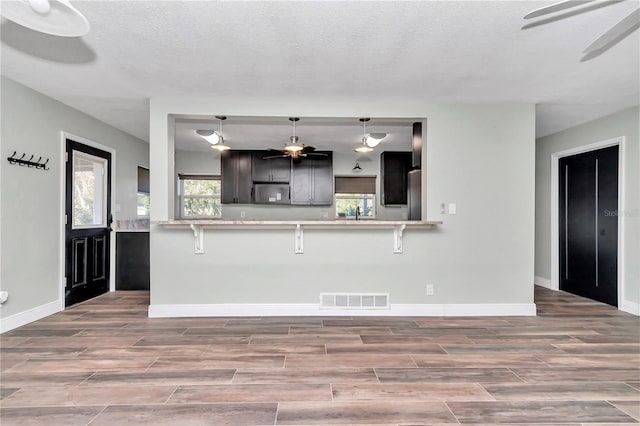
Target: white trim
[(312, 309), (28, 316), (630, 307), (555, 230), (543, 282), (63, 168)]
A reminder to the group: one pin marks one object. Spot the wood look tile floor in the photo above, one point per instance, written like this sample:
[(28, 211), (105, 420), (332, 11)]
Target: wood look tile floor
[(103, 362)]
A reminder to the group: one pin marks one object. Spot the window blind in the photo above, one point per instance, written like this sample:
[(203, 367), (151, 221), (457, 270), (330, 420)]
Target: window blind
[(198, 177), (356, 185), (143, 180)]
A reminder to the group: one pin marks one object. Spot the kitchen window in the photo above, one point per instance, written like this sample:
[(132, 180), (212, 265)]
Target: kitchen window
[(144, 199), (355, 197), (199, 196)]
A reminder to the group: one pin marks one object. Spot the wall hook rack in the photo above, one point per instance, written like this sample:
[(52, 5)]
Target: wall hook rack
[(38, 164)]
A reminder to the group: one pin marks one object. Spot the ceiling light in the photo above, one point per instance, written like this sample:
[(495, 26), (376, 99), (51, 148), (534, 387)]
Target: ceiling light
[(293, 145), (364, 147), (55, 17), (221, 147)]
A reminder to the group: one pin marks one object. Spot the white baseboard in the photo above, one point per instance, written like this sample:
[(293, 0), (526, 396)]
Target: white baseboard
[(30, 315), (543, 282), (630, 307), (310, 309)]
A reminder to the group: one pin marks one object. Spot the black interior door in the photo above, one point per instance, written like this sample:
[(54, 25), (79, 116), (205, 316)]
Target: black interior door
[(87, 222), (589, 224)]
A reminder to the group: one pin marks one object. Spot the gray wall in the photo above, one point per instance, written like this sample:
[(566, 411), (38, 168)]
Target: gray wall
[(31, 199), (209, 163), (624, 123), (478, 156)]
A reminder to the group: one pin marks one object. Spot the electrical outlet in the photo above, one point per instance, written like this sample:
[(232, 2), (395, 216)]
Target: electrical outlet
[(242, 215), (430, 290), (442, 208)]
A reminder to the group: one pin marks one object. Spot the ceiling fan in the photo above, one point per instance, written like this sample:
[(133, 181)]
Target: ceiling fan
[(294, 149), (619, 31), (55, 17)]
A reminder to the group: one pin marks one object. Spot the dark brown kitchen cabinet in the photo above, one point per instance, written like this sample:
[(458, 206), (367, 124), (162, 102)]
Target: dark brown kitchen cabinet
[(312, 180), (132, 261), (276, 170), (235, 177), (394, 173)]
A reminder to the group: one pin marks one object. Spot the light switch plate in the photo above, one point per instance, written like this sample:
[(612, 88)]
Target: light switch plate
[(452, 208)]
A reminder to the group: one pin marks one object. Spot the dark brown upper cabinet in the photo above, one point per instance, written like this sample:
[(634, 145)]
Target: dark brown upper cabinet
[(394, 171), (235, 177), (312, 180), (276, 170)]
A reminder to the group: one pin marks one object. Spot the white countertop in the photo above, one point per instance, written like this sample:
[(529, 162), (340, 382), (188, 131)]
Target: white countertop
[(364, 223)]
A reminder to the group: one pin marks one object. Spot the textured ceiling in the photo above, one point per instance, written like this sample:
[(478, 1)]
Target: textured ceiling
[(433, 51)]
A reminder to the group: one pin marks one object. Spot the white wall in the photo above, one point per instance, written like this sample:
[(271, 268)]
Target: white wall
[(478, 156), (209, 163), (31, 199), (622, 124)]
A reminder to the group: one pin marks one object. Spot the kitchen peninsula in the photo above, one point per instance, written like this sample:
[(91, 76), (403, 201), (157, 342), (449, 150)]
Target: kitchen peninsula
[(478, 262)]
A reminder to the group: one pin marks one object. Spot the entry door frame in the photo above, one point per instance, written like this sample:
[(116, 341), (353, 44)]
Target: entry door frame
[(555, 211), (63, 186)]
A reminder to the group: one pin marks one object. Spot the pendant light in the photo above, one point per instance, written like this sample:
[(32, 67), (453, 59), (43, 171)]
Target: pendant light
[(293, 145), (220, 145), (55, 17), (363, 147)]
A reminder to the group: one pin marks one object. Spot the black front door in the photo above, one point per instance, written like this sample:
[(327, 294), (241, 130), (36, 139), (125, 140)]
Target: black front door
[(588, 224), (87, 222)]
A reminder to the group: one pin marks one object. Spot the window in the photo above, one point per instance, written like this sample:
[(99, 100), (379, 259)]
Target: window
[(355, 195), (144, 199), (89, 191), (199, 196)]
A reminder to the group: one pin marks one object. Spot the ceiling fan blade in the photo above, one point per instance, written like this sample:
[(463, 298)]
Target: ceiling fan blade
[(275, 156), (307, 149), (315, 154), (378, 135), (556, 7), (620, 30)]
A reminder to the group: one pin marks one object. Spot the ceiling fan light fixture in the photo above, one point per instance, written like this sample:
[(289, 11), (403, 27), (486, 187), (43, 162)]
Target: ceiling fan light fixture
[(293, 145), (54, 17), (221, 147), (365, 147), (215, 138)]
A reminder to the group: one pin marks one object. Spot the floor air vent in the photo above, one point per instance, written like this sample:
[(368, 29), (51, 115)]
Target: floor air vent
[(354, 300)]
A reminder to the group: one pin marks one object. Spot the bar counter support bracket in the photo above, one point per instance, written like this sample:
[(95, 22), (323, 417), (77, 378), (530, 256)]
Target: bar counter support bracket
[(397, 238), (299, 240), (198, 237)]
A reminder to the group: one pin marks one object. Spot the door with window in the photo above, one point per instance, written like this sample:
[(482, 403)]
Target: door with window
[(87, 222), (589, 224)]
